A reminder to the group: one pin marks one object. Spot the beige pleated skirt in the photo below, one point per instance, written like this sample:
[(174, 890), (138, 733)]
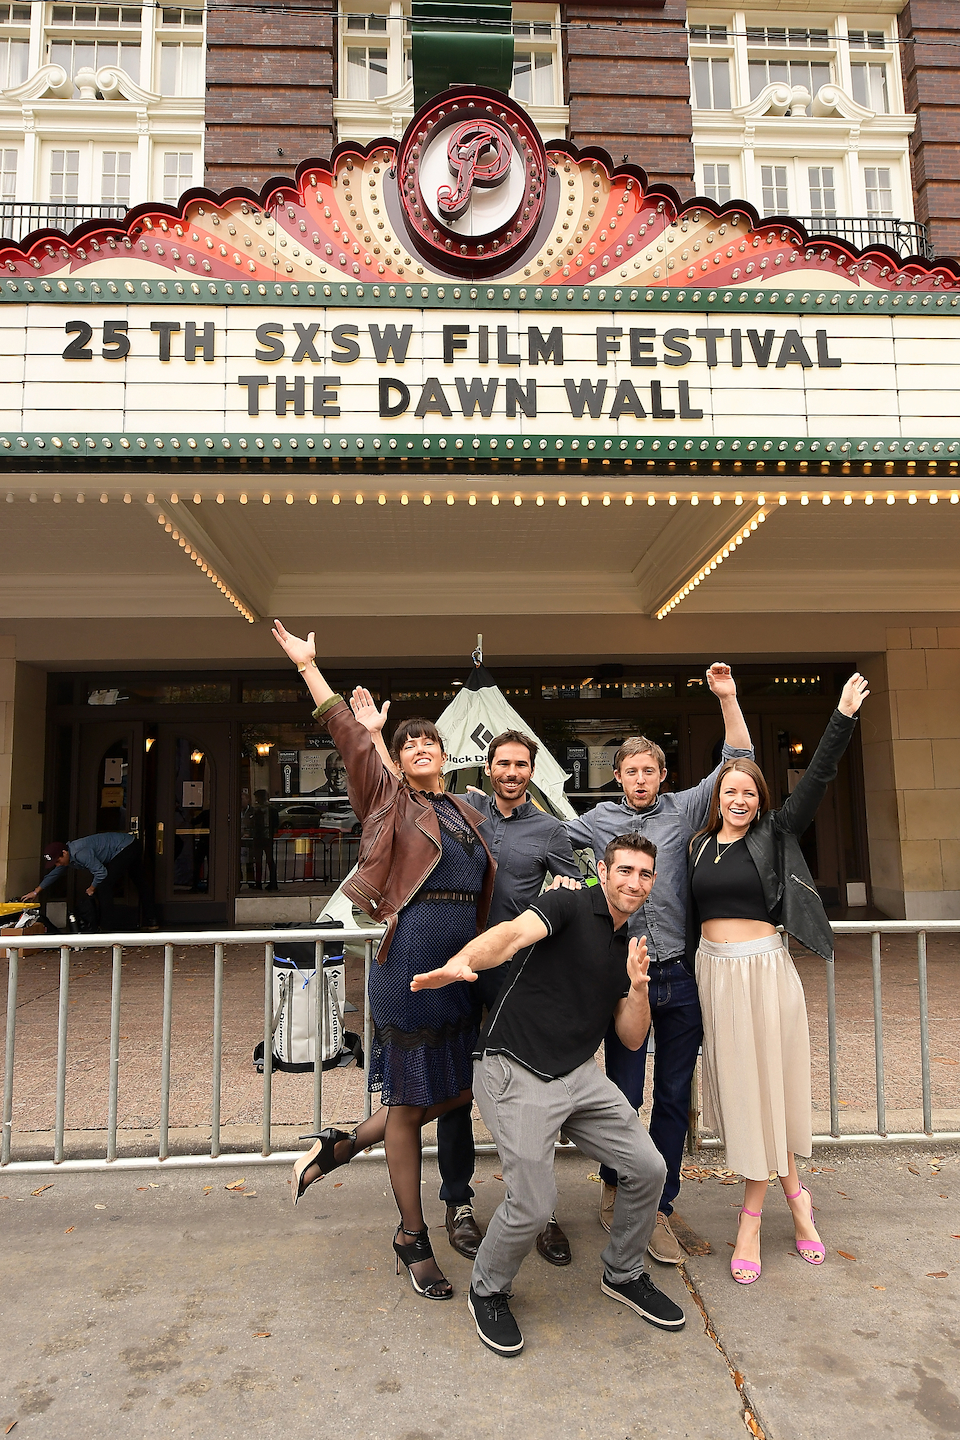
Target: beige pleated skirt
[(756, 1054)]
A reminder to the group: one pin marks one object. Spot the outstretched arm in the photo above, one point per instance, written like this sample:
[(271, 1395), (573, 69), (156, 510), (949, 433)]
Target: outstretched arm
[(631, 1018), (303, 653), (494, 947), (798, 810), (373, 720), (721, 682)]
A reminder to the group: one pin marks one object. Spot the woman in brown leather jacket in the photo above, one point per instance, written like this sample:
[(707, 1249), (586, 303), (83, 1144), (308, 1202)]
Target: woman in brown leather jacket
[(424, 871)]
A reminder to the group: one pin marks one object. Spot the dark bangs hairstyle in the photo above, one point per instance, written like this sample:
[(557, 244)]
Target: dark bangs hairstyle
[(413, 729), (714, 821)]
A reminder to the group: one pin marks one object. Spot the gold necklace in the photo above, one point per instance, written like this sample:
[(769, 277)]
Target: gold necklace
[(721, 853)]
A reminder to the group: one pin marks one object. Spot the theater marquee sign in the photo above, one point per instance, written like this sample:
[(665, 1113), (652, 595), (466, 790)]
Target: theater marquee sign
[(468, 291)]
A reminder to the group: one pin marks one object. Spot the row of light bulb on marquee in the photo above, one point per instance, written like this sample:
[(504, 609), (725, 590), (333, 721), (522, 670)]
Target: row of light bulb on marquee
[(826, 497)]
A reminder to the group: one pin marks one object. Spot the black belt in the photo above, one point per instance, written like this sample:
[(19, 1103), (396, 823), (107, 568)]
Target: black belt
[(458, 897), (674, 960)]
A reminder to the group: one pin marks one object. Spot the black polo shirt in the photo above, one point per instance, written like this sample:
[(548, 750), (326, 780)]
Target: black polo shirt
[(554, 1010)]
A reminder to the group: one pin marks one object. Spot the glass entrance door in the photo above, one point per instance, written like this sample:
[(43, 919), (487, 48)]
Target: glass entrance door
[(109, 798), (187, 788)]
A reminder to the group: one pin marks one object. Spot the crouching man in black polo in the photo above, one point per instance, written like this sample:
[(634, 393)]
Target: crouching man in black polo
[(534, 1071)]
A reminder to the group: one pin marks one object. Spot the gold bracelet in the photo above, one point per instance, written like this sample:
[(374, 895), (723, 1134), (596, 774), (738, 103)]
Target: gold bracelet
[(306, 665)]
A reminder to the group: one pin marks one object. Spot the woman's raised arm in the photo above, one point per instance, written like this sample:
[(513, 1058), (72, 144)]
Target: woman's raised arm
[(303, 653)]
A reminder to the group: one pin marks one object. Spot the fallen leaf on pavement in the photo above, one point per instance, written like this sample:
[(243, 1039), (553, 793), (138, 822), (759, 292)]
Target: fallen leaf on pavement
[(99, 1207), (937, 1274), (9, 1427), (913, 1170), (338, 1185), (846, 1255), (70, 1231), (262, 1334), (249, 1194), (141, 1188), (879, 1287), (498, 1177), (844, 1194), (42, 1188), (237, 1185), (153, 1185), (955, 1237), (829, 1169)]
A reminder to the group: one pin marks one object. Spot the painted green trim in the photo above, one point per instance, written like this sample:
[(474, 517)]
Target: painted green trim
[(377, 446), (419, 295)]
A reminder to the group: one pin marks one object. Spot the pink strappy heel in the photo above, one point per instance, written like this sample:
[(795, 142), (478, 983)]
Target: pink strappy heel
[(813, 1251), (753, 1265)]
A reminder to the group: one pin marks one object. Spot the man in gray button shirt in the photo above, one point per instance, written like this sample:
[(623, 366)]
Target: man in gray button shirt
[(527, 844), (670, 821)]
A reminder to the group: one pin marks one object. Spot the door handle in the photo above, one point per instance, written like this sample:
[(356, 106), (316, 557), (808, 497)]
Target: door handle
[(159, 847), (135, 826)]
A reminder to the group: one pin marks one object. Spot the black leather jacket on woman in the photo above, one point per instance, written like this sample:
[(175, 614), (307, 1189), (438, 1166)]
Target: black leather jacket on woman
[(774, 842)]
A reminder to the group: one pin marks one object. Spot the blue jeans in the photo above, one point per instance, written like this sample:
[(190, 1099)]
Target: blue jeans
[(678, 1030)]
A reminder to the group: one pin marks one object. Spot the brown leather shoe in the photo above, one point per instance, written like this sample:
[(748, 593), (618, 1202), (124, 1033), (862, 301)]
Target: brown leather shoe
[(464, 1232), (553, 1244)]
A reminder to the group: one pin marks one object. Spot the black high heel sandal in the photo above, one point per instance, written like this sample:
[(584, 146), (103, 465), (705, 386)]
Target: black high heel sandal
[(322, 1154), (421, 1249)]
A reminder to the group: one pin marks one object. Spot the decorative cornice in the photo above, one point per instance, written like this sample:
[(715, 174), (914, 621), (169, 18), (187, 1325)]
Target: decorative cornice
[(334, 228), (49, 79)]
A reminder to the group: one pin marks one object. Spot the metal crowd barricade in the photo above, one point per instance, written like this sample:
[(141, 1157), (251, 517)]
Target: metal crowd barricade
[(368, 937), (876, 929)]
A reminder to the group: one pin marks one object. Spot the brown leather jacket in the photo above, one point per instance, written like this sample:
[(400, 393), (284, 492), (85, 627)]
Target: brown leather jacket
[(400, 843)]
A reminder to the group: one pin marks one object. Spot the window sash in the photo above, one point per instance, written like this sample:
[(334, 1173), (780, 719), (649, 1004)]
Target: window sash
[(533, 77), (809, 73), (115, 171), (716, 181), (366, 72), (878, 190), (8, 175), (870, 87), (64, 176), (711, 84), (773, 183), (823, 190), (177, 174)]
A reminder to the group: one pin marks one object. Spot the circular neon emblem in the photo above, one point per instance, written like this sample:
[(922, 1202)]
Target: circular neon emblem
[(472, 179)]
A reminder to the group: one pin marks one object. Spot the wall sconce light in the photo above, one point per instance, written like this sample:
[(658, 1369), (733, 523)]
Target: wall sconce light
[(149, 743), (196, 756), (264, 747)]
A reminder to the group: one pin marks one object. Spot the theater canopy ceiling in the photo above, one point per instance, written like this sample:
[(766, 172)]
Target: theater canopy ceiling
[(470, 319)]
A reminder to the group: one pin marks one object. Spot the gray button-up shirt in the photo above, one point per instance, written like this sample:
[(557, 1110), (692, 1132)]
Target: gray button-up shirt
[(93, 853), (670, 822), (527, 845)]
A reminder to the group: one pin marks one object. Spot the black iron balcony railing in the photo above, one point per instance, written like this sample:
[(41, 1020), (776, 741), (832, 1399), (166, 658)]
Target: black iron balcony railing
[(18, 219), (906, 237)]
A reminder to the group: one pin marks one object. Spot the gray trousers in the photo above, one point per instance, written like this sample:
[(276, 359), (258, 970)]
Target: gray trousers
[(523, 1114)]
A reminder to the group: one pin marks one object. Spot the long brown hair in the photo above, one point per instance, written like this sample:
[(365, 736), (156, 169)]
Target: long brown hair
[(714, 819)]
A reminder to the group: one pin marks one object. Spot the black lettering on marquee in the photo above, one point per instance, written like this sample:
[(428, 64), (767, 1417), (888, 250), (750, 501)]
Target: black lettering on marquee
[(197, 338), (344, 337), (585, 395), (483, 345), (660, 411), (432, 399), (677, 352), (164, 328), (271, 347), (287, 393), (761, 348), (78, 349), (825, 360), (523, 396), (325, 395), (641, 348), (687, 412), (390, 340), (477, 394), (793, 352), (608, 343), (388, 409), (454, 338), (116, 341), (544, 348), (710, 338), (736, 349), (627, 402), (504, 356), (305, 350), (254, 384)]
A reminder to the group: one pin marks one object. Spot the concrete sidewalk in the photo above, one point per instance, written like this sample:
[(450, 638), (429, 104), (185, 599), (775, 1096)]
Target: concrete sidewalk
[(170, 1305)]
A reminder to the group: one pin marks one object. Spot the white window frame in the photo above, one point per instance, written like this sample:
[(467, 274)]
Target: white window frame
[(9, 168), (113, 159), (183, 182)]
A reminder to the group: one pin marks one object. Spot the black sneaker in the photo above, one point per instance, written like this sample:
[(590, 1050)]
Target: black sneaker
[(644, 1297), (495, 1325)]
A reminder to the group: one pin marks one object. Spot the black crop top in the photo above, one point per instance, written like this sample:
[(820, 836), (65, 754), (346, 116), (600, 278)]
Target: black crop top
[(728, 888)]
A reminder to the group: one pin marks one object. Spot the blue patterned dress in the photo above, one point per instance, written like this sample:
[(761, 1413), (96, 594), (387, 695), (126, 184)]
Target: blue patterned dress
[(423, 1040)]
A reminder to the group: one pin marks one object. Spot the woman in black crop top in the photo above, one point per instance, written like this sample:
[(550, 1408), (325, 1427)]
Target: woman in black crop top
[(747, 874)]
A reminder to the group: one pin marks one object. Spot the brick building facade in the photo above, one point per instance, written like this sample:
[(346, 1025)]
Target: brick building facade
[(931, 58)]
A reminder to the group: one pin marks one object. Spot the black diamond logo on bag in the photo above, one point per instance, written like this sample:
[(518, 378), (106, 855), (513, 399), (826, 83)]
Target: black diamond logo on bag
[(481, 736)]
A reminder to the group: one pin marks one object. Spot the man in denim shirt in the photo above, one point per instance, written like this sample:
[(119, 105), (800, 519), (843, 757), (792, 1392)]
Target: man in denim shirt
[(670, 821), (527, 844)]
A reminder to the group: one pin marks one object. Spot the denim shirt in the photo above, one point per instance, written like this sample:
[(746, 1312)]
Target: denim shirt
[(93, 853), (670, 822), (526, 845)]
